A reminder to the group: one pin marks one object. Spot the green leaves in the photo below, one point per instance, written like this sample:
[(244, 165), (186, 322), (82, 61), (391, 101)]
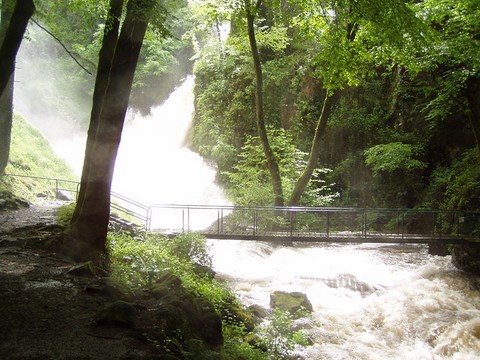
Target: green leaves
[(250, 179), (393, 157)]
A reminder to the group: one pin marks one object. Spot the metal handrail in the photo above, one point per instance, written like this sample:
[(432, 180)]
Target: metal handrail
[(318, 222), (115, 196)]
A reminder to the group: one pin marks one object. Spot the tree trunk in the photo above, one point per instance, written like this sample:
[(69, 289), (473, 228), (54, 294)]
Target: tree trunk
[(22, 13), (261, 128), (304, 179), (105, 58), (6, 98), (91, 225)]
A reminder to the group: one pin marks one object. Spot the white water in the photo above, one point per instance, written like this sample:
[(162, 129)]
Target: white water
[(153, 164), (398, 302), (408, 304)]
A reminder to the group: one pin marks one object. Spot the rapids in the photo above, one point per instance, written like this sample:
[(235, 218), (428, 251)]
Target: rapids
[(370, 301)]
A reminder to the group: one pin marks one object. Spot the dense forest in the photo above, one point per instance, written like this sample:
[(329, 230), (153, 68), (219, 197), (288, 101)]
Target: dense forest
[(401, 79), (403, 130), (345, 103)]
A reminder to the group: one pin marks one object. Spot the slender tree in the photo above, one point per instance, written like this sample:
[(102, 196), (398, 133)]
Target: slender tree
[(251, 11), (13, 26), (343, 60), (89, 229)]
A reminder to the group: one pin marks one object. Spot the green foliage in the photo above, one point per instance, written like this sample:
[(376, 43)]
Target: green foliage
[(280, 335), (453, 56), (393, 157), (65, 214), (189, 247), (136, 264), (250, 184), (31, 155), (236, 347), (457, 187)]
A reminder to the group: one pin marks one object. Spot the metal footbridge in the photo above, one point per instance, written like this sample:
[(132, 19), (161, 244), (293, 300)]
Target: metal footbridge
[(318, 224), (289, 224)]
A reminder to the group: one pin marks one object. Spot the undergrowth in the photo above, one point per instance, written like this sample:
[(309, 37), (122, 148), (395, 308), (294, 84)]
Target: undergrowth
[(136, 263), (32, 160)]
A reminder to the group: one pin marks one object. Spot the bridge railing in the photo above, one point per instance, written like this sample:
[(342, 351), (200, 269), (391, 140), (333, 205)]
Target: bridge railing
[(310, 222), (68, 190)]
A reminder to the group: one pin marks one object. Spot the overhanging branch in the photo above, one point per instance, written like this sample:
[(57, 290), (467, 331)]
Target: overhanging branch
[(64, 47)]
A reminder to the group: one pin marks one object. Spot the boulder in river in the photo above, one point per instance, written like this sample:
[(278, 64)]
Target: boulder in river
[(290, 301)]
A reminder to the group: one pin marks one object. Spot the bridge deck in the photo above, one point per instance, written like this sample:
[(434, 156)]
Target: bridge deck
[(380, 239), (335, 225)]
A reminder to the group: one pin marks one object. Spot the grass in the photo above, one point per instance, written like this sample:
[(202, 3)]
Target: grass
[(32, 158)]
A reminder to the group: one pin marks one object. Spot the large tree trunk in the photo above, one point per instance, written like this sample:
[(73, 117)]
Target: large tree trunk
[(91, 225), (261, 128), (304, 179), (22, 13), (6, 98), (105, 58)]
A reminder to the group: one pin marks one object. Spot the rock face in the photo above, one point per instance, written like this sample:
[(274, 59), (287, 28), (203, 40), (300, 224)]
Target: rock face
[(175, 309), (291, 302), (467, 257), (8, 201)]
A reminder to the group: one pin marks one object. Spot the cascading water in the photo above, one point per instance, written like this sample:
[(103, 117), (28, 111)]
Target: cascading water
[(370, 301)]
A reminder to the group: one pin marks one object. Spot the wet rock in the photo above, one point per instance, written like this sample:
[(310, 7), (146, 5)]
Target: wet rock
[(258, 312), (8, 201), (82, 269), (120, 313), (290, 301), (466, 257), (178, 310), (439, 249), (348, 281), (204, 271)]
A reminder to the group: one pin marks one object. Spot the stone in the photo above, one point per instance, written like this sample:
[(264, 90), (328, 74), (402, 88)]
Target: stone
[(466, 257), (119, 313), (258, 312), (290, 301)]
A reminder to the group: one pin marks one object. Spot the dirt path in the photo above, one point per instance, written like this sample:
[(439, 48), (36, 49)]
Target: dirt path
[(47, 309)]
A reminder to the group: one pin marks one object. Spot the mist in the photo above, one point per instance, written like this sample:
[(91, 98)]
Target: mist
[(153, 165)]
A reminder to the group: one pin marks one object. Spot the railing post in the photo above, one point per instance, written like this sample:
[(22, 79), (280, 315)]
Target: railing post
[(364, 216), (291, 216), (254, 222), (183, 220), (328, 224)]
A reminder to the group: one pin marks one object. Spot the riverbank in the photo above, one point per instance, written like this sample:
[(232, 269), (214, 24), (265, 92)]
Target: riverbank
[(49, 306)]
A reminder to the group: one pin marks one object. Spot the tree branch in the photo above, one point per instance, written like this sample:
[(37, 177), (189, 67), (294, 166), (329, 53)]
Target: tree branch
[(64, 47)]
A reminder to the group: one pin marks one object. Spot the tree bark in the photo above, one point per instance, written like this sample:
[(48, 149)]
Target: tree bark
[(22, 13), (105, 58), (259, 104), (6, 98), (91, 225), (304, 179)]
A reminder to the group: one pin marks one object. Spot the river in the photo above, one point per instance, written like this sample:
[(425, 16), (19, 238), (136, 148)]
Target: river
[(370, 301)]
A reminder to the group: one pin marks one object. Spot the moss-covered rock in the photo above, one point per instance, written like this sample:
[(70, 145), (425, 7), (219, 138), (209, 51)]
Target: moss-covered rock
[(467, 257), (184, 315), (292, 302), (119, 313), (9, 201)]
